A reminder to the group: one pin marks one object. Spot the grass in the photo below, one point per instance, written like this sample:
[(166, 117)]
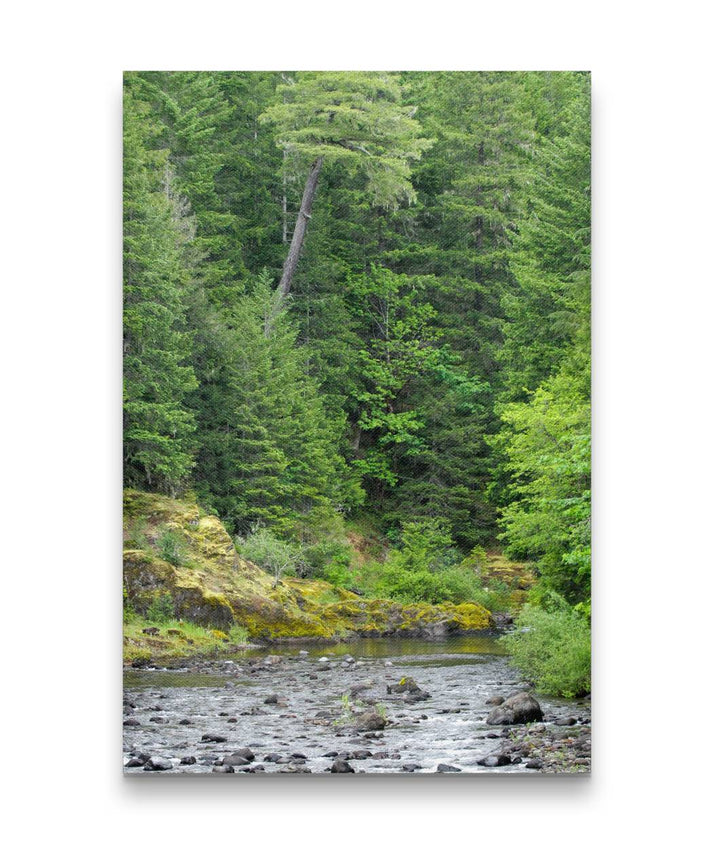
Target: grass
[(176, 639)]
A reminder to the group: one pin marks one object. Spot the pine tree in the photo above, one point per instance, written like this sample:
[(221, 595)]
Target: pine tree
[(158, 424), (352, 119)]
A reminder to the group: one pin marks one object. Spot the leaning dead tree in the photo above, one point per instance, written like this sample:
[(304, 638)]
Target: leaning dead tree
[(353, 118)]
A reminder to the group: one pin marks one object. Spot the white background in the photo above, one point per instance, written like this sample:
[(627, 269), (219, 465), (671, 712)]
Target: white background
[(655, 431)]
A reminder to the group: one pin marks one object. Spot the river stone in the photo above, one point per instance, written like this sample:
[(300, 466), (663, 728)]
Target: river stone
[(340, 766), (271, 699), (370, 722), (187, 760), (495, 700), (213, 738), (521, 707), (224, 768), (408, 685), (236, 759), (157, 765), (534, 764), (410, 768), (447, 768), (135, 762), (272, 660), (567, 720), (131, 721), (495, 761)]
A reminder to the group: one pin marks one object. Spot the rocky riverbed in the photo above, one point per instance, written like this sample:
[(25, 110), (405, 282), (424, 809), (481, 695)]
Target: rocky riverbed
[(378, 706)]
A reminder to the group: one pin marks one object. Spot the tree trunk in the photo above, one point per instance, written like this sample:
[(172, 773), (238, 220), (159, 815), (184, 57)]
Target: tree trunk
[(298, 237)]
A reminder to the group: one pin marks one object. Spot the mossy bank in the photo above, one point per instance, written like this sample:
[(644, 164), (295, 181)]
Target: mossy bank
[(181, 567)]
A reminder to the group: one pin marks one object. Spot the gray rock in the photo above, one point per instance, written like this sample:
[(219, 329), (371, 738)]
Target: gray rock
[(340, 766), (213, 738), (495, 700), (567, 720), (188, 760), (447, 768), (131, 721), (534, 764), (157, 765), (271, 699), (370, 722), (519, 708), (273, 758), (495, 761), (135, 762)]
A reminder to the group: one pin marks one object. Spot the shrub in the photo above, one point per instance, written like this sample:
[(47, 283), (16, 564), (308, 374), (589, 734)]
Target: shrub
[(161, 609), (551, 648), (271, 553), (328, 560), (423, 570), (171, 547), (238, 634)]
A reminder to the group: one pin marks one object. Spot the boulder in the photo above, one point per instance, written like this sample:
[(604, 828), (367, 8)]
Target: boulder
[(499, 760), (408, 686), (370, 722), (447, 768), (519, 708), (340, 766)]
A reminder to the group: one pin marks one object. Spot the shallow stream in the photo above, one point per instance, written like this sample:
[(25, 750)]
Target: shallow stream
[(319, 693)]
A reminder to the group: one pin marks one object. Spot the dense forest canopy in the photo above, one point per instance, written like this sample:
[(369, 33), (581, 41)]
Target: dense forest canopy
[(428, 366)]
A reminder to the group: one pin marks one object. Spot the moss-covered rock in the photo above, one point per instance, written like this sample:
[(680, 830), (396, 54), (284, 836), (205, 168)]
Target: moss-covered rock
[(213, 587)]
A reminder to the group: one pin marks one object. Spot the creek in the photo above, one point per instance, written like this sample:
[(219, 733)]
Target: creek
[(320, 689)]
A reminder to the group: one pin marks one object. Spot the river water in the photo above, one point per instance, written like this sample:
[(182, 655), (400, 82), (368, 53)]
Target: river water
[(319, 694)]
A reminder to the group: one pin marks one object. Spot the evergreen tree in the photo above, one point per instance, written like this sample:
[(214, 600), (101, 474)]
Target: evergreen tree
[(355, 120), (158, 424)]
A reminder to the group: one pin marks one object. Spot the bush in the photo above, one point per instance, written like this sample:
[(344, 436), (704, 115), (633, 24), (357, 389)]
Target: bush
[(327, 560), (238, 634), (271, 553), (161, 609), (551, 648), (171, 547)]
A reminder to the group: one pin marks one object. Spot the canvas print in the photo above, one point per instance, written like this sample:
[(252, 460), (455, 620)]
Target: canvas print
[(356, 434)]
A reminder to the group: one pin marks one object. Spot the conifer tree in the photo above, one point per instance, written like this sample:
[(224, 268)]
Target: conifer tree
[(356, 120), (158, 425)]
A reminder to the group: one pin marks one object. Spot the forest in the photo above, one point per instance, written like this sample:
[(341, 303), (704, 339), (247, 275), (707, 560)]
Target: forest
[(357, 311)]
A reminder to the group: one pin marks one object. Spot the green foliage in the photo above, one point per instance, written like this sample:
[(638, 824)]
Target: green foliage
[(272, 554), (424, 569), (547, 442), (161, 609), (158, 424), (171, 547), (432, 359), (328, 560), (355, 120), (238, 634), (552, 648)]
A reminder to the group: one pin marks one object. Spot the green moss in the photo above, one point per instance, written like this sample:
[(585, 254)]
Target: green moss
[(218, 590)]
